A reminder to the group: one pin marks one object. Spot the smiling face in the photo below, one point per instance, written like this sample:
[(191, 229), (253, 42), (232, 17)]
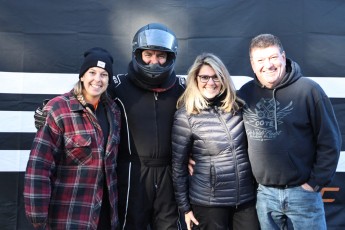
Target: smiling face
[(95, 81), (211, 88), (268, 65)]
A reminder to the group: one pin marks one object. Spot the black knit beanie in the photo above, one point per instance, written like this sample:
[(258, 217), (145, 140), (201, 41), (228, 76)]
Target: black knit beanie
[(97, 57)]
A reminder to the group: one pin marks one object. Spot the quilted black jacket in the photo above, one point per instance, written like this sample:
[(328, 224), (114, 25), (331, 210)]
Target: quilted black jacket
[(218, 143)]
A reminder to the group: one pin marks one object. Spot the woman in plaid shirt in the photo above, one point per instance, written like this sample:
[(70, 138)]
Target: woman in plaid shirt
[(70, 180)]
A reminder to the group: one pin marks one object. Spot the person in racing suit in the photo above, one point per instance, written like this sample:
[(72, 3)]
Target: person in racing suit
[(147, 96)]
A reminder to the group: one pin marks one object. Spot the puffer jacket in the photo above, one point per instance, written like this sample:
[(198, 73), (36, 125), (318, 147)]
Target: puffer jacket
[(217, 142)]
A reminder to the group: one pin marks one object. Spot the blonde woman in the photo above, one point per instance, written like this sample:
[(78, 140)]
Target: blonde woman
[(208, 127)]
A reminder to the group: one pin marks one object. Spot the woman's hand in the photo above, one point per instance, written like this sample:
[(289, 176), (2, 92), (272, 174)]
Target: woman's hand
[(191, 164), (190, 220)]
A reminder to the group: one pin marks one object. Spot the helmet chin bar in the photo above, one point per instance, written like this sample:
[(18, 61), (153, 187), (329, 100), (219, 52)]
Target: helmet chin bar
[(153, 74), (154, 69)]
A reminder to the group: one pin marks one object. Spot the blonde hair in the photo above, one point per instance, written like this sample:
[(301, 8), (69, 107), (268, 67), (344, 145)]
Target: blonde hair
[(192, 98)]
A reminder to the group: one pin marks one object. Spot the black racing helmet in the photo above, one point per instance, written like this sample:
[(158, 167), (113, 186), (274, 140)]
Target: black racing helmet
[(154, 36)]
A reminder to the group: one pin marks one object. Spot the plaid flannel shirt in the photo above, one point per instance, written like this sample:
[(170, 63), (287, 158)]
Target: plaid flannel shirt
[(68, 165)]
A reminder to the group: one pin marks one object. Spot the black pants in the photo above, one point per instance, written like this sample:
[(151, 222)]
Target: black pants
[(243, 217), (151, 200)]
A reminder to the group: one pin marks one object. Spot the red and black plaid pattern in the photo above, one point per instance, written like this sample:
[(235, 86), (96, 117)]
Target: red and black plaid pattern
[(68, 166)]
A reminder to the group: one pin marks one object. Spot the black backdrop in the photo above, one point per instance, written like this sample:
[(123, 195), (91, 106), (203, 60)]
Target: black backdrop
[(50, 36)]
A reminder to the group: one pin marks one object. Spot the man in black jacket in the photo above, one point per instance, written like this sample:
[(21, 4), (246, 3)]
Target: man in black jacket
[(293, 138)]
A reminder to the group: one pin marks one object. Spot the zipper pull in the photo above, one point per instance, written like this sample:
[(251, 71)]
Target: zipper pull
[(156, 95)]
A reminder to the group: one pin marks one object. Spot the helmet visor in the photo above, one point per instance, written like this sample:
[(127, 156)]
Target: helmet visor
[(156, 39)]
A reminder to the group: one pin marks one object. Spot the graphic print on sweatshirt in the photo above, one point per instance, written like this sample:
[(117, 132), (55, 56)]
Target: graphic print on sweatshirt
[(262, 123)]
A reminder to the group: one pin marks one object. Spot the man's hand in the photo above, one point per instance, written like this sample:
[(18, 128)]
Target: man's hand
[(40, 115), (191, 164), (307, 187)]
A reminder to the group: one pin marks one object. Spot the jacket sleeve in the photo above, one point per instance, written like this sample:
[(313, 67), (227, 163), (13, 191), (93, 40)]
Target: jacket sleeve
[(328, 143), (41, 164), (181, 150)]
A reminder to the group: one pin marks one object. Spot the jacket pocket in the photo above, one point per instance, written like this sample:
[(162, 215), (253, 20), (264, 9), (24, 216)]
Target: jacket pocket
[(78, 149)]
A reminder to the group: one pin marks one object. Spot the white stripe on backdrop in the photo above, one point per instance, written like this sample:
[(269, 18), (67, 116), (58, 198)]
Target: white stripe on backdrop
[(15, 160), (56, 83)]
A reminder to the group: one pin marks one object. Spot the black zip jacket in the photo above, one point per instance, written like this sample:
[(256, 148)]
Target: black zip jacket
[(293, 135), (222, 174)]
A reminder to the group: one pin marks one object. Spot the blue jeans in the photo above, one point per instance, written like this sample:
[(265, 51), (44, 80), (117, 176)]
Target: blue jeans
[(290, 208)]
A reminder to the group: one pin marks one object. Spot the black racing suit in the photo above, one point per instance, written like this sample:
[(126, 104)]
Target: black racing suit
[(145, 189)]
